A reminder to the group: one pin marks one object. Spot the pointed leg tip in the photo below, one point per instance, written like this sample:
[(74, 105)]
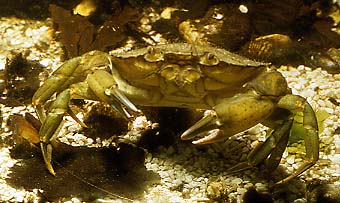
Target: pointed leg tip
[(50, 169), (185, 137), (46, 150), (285, 180), (82, 124), (281, 182), (240, 167)]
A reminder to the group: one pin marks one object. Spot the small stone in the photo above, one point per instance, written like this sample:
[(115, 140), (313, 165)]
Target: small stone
[(188, 178), (301, 200), (241, 191), (335, 158), (261, 187), (89, 141), (176, 199), (329, 110), (245, 150), (327, 140), (243, 8), (236, 181), (73, 128), (291, 159)]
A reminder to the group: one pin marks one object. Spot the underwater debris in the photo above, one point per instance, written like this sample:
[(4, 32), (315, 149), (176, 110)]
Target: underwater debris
[(79, 35), (20, 81)]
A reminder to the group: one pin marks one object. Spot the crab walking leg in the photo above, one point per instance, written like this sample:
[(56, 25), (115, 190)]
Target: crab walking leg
[(59, 81), (277, 141), (310, 124), (275, 157), (274, 146), (54, 118), (50, 125), (94, 88)]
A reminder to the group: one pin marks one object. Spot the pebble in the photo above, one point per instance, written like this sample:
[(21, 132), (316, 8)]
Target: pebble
[(176, 199), (335, 158), (89, 141), (300, 200), (46, 62), (260, 187), (241, 191), (290, 159), (327, 140), (188, 178), (73, 128), (237, 181)]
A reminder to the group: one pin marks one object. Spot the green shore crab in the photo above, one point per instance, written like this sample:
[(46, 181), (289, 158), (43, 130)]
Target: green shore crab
[(237, 93)]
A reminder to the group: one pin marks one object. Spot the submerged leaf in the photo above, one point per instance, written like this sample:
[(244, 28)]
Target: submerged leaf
[(76, 31), (79, 35)]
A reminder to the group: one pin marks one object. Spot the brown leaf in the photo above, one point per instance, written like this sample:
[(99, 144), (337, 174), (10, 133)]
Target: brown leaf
[(79, 35), (77, 32)]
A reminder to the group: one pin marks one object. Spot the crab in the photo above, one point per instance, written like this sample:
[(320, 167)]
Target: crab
[(236, 93)]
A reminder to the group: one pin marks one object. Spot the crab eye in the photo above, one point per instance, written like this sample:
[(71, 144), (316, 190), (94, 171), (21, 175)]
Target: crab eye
[(153, 56), (209, 59)]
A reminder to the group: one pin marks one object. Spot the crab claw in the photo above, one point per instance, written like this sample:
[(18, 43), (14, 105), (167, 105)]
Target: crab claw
[(106, 89), (121, 103), (228, 118), (210, 119)]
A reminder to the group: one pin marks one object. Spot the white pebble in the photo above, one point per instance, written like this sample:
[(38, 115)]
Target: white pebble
[(329, 110), (188, 178), (295, 73), (18, 109), (46, 62), (79, 137), (176, 199), (236, 181), (291, 159), (73, 128), (89, 141), (241, 191), (243, 8), (335, 158), (300, 67)]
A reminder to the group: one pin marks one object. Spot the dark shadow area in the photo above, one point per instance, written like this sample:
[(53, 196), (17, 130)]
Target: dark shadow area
[(32, 9), (85, 173), (253, 196), (20, 80), (172, 122), (103, 121)]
